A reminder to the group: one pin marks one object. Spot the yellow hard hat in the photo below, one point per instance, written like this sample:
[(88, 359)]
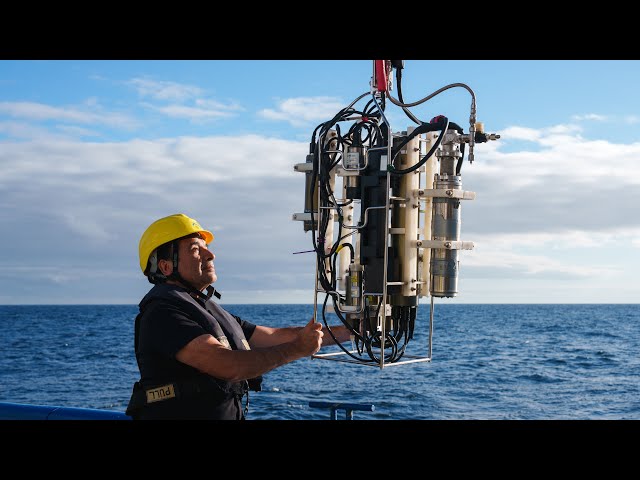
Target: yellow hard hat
[(165, 230)]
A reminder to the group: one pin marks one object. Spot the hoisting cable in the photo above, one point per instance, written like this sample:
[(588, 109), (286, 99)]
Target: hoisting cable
[(399, 65)]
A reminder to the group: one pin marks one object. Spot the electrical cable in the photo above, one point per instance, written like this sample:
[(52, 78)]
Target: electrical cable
[(425, 127)]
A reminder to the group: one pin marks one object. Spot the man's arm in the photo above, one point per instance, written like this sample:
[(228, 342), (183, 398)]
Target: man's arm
[(268, 336), (208, 355)]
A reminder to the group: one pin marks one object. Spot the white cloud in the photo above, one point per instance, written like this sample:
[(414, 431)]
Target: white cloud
[(41, 112), (590, 116), (163, 90), (543, 136), (532, 207), (573, 185), (182, 101), (532, 264), (215, 105), (84, 222), (560, 130), (30, 131), (630, 119), (302, 110), (519, 251), (565, 165), (25, 130), (73, 131), (208, 110), (520, 133), (55, 274), (147, 166)]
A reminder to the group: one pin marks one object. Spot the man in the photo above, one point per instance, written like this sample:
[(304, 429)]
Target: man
[(197, 360)]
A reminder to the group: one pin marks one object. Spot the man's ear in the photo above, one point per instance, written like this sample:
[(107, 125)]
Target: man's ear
[(165, 267)]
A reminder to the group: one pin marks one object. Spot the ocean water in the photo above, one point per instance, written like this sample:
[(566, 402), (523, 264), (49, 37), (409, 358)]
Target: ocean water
[(519, 362)]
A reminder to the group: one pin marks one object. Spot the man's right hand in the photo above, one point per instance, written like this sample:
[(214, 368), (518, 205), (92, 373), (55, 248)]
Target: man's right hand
[(309, 338)]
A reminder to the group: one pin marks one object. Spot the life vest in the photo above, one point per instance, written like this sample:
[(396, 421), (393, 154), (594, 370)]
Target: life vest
[(200, 395)]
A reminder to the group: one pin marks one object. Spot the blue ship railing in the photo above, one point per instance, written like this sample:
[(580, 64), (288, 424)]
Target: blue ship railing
[(347, 407), (18, 411)]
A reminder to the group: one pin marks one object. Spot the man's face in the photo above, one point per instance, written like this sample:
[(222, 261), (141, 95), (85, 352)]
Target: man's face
[(195, 263)]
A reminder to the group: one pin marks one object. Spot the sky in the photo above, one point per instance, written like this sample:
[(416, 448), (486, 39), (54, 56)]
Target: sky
[(93, 151)]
